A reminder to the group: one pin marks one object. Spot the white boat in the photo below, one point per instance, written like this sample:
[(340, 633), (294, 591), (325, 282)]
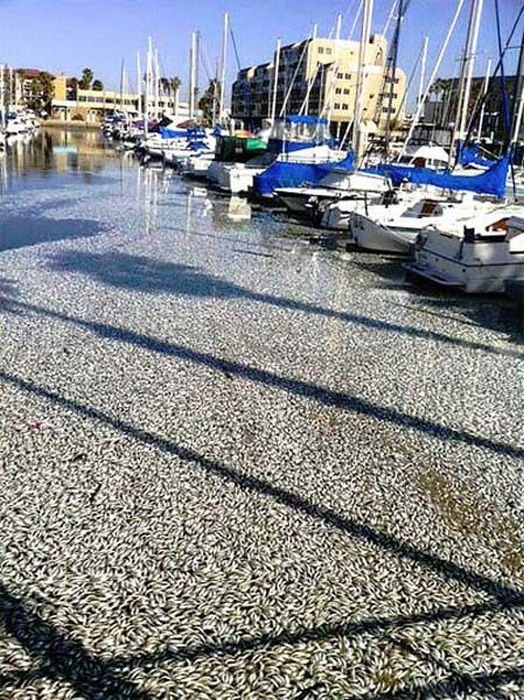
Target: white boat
[(479, 258), (336, 185), (197, 165), (237, 178), (394, 228)]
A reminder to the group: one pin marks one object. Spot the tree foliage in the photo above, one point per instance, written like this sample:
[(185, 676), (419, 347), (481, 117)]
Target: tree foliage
[(97, 85), (209, 102), (87, 78), (175, 84), (42, 93)]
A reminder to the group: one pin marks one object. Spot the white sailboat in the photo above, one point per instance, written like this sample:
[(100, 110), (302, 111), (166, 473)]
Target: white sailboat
[(335, 186), (395, 228)]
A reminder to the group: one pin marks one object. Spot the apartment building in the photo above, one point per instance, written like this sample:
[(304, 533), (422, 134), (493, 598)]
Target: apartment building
[(319, 76)]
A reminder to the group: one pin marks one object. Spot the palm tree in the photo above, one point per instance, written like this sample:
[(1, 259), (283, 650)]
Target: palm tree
[(175, 84), (87, 78), (165, 85)]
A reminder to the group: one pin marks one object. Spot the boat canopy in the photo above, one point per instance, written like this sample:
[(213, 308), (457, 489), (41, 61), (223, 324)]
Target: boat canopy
[(492, 181), (292, 174), (295, 132), (427, 155)]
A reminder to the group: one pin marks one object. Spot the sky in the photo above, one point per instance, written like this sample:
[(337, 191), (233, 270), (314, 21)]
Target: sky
[(68, 35)]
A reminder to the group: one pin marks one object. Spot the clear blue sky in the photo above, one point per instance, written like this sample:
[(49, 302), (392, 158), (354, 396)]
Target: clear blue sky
[(67, 35)]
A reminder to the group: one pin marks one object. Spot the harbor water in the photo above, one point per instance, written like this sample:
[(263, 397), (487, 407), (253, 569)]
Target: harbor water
[(237, 465)]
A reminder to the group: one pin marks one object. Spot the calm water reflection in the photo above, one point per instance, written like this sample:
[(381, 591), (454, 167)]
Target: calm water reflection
[(62, 169)]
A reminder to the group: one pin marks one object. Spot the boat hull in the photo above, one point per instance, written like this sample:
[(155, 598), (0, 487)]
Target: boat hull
[(372, 235), (479, 266)]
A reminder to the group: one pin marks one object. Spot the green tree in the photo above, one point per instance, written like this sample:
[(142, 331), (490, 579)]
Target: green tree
[(87, 78), (175, 84), (42, 93), (209, 102), (165, 85), (98, 85)]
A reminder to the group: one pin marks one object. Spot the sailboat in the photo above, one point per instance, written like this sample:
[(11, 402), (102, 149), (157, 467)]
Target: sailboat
[(481, 254), (301, 145)]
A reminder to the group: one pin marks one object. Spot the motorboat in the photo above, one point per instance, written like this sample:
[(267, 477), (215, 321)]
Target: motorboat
[(478, 256)]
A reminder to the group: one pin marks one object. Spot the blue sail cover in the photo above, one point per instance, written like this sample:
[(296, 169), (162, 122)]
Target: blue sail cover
[(471, 154), (492, 181), (289, 174), (305, 119), (166, 133)]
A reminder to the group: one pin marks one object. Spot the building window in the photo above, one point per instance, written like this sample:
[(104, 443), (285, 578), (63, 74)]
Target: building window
[(337, 105), (321, 49), (345, 106), (338, 91), (346, 91), (328, 50), (340, 76), (348, 76)]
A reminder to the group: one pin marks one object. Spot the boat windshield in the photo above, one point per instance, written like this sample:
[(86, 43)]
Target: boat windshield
[(303, 131)]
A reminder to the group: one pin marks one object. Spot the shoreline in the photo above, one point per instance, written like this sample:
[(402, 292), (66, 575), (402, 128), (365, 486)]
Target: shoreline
[(57, 123)]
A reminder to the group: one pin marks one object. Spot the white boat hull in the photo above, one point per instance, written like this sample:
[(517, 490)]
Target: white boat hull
[(236, 178), (478, 265), (372, 235)]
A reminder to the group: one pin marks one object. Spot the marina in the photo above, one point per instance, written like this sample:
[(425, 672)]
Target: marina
[(238, 465), (261, 358)]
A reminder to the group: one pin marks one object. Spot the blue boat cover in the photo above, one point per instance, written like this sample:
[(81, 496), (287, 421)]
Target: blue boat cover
[(280, 146), (166, 133), (471, 154), (492, 181), (196, 145), (304, 119), (289, 174)]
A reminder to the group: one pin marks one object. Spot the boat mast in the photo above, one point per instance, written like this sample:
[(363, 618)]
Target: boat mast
[(10, 107), (391, 72), (484, 93), (157, 84), (2, 95), (518, 97), (223, 63), (122, 69), (433, 75), (361, 79), (313, 68), (423, 69), (335, 69), (192, 75), (139, 85), (275, 81), (148, 75), (390, 17), (477, 13)]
